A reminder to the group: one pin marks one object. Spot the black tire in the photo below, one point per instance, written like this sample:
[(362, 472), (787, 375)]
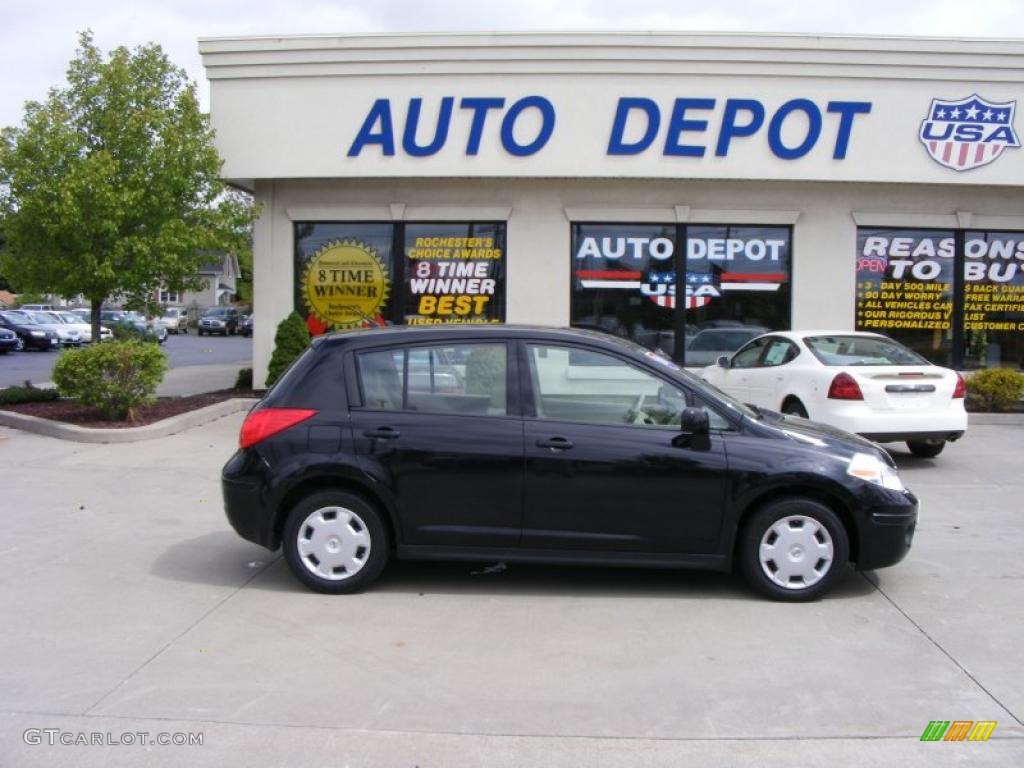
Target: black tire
[(924, 449), (366, 524), (200, 331), (794, 407), (829, 530)]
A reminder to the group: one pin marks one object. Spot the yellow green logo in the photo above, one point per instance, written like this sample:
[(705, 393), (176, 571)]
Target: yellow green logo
[(958, 730)]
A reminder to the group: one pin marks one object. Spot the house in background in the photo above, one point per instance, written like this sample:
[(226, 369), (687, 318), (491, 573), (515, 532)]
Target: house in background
[(220, 278), (7, 300)]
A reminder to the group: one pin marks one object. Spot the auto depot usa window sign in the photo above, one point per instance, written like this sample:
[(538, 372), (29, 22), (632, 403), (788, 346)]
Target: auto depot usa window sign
[(960, 133)]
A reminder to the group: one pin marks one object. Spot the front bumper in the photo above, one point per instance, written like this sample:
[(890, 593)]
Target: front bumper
[(887, 532)]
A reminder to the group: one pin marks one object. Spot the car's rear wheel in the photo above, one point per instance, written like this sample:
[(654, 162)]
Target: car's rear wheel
[(794, 407), (335, 542), (793, 549), (926, 449)]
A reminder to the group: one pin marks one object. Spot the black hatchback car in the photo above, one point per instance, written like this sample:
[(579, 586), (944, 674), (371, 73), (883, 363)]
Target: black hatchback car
[(548, 445)]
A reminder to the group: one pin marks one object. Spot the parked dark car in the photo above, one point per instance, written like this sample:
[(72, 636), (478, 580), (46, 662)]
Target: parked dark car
[(31, 335), (548, 445), (135, 323), (220, 320), (245, 326), (9, 341)]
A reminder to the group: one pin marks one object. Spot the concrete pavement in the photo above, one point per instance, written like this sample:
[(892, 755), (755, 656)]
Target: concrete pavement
[(130, 606)]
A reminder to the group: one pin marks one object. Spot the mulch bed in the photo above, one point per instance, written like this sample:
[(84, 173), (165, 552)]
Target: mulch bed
[(72, 413)]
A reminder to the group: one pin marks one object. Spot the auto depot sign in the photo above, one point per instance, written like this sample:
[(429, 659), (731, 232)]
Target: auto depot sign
[(404, 108), (691, 127)]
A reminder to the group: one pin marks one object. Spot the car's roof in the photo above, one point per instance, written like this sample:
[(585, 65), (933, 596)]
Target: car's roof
[(397, 334), (831, 332)]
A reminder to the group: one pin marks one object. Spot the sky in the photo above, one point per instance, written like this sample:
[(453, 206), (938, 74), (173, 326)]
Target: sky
[(38, 39)]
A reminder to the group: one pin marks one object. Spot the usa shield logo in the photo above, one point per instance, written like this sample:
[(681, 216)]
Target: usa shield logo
[(968, 133)]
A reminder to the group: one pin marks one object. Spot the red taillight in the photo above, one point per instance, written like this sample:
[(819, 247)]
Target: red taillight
[(961, 387), (259, 425), (844, 387)]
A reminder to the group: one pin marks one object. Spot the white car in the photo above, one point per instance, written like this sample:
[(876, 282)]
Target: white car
[(863, 383), (84, 327), (67, 335)]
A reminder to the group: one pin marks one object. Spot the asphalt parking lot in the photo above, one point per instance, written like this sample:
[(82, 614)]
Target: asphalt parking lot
[(183, 350), (130, 607)]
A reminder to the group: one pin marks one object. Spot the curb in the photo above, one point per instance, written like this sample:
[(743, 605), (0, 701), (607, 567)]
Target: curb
[(170, 426), (995, 419)]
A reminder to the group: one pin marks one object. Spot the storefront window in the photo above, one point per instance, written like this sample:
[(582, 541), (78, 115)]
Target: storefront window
[(907, 287), (626, 279), (357, 275), (994, 300), (454, 273)]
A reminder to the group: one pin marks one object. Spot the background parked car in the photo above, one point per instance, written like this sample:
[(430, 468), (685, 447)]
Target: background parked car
[(84, 327), (174, 320), (8, 341), (68, 335), (245, 327), (222, 321), (864, 383), (135, 323), (32, 336), (711, 343)]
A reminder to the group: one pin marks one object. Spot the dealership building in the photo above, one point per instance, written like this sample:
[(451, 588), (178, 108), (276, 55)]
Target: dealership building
[(652, 185)]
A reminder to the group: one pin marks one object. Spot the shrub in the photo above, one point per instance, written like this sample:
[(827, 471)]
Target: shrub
[(27, 394), (244, 379), (995, 389), (290, 341), (115, 377)]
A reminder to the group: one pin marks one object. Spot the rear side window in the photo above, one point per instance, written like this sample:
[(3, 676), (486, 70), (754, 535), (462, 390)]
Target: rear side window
[(468, 379), (861, 350)]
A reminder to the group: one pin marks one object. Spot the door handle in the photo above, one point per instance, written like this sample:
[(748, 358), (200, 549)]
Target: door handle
[(555, 443), (383, 433)]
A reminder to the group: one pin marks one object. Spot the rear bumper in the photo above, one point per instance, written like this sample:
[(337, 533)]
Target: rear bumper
[(895, 426), (245, 500), (887, 533)]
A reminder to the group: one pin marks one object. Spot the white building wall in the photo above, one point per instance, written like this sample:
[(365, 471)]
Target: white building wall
[(824, 218)]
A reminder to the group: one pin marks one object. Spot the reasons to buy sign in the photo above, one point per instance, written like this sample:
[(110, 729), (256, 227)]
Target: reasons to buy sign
[(452, 280), (905, 281)]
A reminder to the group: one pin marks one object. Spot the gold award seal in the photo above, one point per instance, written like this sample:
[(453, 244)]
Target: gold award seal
[(345, 284)]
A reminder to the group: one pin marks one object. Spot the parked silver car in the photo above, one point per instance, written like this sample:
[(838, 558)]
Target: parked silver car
[(67, 335), (84, 327), (174, 319)]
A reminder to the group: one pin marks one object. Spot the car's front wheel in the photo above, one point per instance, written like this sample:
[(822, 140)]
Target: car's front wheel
[(926, 449), (335, 542), (793, 549)]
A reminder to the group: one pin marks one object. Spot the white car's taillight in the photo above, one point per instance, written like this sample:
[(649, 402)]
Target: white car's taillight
[(961, 387), (844, 387)]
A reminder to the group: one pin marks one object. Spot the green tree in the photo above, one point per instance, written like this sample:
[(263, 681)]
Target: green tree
[(111, 186)]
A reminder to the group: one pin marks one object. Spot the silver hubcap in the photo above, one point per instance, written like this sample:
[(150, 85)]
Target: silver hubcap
[(333, 543), (796, 552)]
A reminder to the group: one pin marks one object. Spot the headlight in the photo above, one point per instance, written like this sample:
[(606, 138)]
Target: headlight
[(38, 334), (864, 466)]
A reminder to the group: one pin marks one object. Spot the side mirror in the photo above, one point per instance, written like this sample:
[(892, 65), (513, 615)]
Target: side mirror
[(723, 361), (694, 421), (695, 430)]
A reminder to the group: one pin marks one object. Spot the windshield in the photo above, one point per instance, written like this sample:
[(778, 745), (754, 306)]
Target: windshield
[(45, 318), (16, 318), (861, 350), (70, 318)]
